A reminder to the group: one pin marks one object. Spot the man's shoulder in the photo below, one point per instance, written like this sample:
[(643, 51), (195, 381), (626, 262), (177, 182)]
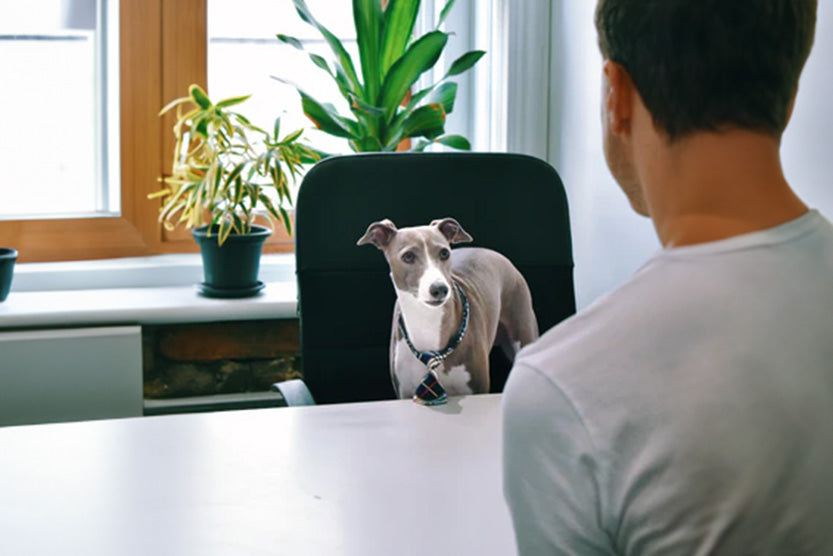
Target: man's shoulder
[(693, 311), (600, 332), (619, 344), (679, 291)]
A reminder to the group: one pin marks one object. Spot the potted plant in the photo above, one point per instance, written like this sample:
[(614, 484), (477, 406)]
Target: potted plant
[(384, 109), (226, 174), (8, 256)]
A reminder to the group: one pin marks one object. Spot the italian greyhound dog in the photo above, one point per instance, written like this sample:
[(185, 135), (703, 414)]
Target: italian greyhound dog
[(451, 308)]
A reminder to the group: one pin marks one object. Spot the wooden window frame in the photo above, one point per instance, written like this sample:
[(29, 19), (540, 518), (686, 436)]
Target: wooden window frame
[(163, 49)]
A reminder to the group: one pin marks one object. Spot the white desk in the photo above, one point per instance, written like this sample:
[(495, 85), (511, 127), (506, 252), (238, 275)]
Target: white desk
[(384, 478)]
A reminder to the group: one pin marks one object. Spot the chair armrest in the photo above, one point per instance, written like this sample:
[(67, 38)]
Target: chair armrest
[(294, 392)]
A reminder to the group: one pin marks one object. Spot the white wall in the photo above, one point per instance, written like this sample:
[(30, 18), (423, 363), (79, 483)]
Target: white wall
[(609, 240), (806, 147)]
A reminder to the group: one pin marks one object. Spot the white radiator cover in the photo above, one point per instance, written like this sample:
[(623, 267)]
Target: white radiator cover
[(74, 374)]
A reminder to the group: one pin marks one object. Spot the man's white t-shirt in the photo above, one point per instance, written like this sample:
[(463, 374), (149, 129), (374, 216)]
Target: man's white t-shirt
[(688, 412)]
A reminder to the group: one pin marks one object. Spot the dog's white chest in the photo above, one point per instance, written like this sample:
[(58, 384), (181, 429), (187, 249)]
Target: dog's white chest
[(410, 371)]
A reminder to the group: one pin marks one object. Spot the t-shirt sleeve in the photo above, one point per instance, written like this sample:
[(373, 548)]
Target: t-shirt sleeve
[(550, 474)]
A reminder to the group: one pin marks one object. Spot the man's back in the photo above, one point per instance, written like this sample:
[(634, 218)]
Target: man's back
[(689, 412)]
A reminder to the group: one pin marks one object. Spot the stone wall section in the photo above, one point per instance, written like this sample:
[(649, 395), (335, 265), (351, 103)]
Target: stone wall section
[(183, 360)]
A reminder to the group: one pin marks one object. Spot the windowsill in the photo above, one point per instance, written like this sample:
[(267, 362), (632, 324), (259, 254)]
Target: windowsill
[(144, 290)]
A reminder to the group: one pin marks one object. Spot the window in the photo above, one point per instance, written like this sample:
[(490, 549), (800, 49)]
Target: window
[(161, 47), (61, 89), (146, 30), (243, 55)]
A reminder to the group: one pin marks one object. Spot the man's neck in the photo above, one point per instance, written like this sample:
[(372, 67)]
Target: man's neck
[(713, 186)]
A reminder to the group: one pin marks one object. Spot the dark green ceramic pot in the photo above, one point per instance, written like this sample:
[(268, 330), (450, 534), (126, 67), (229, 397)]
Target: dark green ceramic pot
[(231, 270), (8, 256)]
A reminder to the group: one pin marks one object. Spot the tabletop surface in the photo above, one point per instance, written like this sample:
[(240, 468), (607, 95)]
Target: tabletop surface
[(391, 478)]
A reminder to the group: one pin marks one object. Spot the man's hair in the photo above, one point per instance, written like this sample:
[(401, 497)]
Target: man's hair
[(708, 65)]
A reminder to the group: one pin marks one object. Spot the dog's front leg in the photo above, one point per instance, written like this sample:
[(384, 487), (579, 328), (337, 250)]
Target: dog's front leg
[(478, 370)]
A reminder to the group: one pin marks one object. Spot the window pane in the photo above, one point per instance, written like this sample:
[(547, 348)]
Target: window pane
[(54, 134), (243, 54)]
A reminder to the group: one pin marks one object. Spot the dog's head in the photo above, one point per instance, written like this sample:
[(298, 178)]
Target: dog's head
[(419, 257)]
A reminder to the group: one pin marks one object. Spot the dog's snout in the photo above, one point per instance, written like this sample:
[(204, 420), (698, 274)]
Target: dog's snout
[(438, 290)]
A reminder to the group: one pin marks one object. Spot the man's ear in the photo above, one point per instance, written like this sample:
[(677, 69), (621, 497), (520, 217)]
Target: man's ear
[(452, 230), (618, 99), (379, 234)]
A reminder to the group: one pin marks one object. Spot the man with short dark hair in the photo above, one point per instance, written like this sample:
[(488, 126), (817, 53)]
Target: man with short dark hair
[(690, 411)]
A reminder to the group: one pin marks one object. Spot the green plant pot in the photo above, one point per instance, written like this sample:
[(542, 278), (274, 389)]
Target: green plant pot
[(8, 256), (231, 270)]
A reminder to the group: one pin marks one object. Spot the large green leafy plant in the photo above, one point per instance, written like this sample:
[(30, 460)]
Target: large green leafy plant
[(223, 167), (384, 108)]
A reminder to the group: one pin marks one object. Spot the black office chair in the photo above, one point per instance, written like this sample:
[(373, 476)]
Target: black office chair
[(514, 204)]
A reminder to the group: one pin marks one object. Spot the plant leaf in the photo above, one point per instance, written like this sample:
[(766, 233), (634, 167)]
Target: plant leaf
[(400, 17), (200, 127), (240, 225), (175, 103), (356, 103), (269, 206), (445, 95), (366, 144), (287, 222), (276, 130), (199, 97), (291, 41), (465, 62), (445, 11), (419, 57), (344, 83), (340, 78), (214, 184), (225, 230), (455, 142), (324, 118), (286, 81), (418, 96), (244, 120), (343, 58), (239, 190), (321, 63), (420, 146), (426, 121), (292, 136), (233, 177), (367, 17), (231, 102), (309, 155)]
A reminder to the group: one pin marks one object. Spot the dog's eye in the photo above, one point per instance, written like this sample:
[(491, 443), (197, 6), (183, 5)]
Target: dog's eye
[(444, 254), (408, 257)]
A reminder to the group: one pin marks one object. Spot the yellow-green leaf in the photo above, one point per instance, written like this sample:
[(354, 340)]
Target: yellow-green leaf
[(231, 101), (199, 96)]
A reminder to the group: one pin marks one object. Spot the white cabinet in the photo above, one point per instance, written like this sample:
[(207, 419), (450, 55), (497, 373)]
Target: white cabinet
[(71, 374)]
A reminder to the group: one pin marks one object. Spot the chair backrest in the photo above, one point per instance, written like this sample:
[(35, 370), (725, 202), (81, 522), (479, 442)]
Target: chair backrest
[(514, 204)]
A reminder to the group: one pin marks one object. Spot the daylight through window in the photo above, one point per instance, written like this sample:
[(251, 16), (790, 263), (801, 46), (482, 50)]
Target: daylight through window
[(58, 144)]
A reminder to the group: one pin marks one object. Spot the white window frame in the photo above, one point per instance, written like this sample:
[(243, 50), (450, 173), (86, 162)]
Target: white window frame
[(506, 102)]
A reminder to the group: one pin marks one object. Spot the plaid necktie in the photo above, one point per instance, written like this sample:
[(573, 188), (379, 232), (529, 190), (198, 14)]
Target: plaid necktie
[(430, 391)]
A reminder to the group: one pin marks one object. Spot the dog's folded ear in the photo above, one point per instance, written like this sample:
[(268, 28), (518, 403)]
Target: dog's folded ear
[(452, 230), (379, 234)]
